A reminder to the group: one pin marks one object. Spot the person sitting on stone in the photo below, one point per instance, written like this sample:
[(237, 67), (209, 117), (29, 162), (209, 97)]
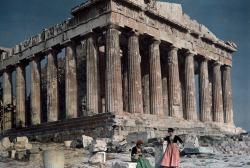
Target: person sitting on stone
[(171, 157), (137, 156)]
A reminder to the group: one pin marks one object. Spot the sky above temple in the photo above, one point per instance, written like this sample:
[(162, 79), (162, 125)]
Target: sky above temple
[(227, 19)]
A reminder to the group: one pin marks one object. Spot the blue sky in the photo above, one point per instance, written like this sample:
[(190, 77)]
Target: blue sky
[(227, 19)]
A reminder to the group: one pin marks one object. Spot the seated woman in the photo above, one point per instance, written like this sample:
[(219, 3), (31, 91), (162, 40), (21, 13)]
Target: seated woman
[(171, 157), (136, 156)]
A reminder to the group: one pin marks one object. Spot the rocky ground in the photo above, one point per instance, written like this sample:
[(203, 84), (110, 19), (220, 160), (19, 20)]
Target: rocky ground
[(228, 152)]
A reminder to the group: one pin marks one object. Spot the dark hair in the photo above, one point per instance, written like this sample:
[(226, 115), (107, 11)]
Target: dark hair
[(170, 130)]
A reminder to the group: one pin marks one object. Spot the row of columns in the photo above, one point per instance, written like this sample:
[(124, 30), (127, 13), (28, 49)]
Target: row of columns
[(159, 90)]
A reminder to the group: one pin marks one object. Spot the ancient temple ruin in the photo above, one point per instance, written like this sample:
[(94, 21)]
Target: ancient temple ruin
[(130, 66)]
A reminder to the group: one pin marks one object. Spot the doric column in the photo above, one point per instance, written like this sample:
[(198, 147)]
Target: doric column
[(156, 102), (134, 75), (113, 72), (20, 95), (35, 91), (190, 95), (227, 96), (93, 89), (217, 94), (52, 87), (71, 81), (7, 98), (205, 109), (174, 83), (125, 79)]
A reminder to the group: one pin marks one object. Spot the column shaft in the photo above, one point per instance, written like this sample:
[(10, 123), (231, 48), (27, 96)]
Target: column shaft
[(134, 76), (113, 72), (71, 82), (125, 80), (7, 99), (174, 84), (156, 102), (227, 96), (52, 87), (35, 91), (20, 95), (217, 94), (190, 94), (93, 89), (205, 109)]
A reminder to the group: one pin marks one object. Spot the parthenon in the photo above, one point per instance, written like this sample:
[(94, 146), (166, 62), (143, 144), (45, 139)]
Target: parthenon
[(141, 58)]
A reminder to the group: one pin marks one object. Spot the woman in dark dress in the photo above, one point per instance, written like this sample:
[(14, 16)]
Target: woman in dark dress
[(171, 157), (137, 156)]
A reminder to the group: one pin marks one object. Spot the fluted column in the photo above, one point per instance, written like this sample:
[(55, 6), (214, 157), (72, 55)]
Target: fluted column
[(71, 81), (52, 87), (205, 109), (217, 94), (7, 99), (174, 83), (190, 94), (156, 102), (35, 91), (227, 96), (93, 89), (20, 95), (113, 72), (134, 75)]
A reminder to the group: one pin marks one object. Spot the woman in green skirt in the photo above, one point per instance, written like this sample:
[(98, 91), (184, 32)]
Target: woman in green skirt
[(137, 156)]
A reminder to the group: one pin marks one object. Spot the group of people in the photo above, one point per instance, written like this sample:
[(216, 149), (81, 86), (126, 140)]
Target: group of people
[(171, 156)]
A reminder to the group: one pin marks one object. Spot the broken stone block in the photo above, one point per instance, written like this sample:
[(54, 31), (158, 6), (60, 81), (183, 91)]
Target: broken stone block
[(21, 146), (53, 159), (160, 149), (124, 165), (33, 151), (12, 154), (86, 141), (99, 157), (67, 144), (76, 144), (20, 155), (98, 146), (198, 150), (191, 141), (144, 136), (23, 140), (4, 154), (5, 143)]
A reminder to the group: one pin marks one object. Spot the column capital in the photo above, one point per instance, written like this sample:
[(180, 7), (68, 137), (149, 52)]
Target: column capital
[(113, 26), (134, 33), (155, 41), (52, 50), (227, 67), (174, 48), (189, 53), (217, 63), (3, 55)]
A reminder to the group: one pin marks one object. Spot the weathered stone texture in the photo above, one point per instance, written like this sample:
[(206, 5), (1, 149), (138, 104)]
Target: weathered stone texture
[(20, 95), (71, 82), (156, 102), (93, 89), (227, 96), (7, 99), (190, 96), (113, 72), (217, 94), (52, 87), (134, 76), (205, 108)]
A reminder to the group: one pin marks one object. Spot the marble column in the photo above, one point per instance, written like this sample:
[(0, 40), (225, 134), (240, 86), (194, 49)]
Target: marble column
[(190, 94), (174, 84), (52, 87), (227, 96), (93, 84), (71, 81), (125, 79), (113, 72), (205, 109), (134, 76), (20, 95), (35, 91), (7, 99), (217, 94), (156, 101)]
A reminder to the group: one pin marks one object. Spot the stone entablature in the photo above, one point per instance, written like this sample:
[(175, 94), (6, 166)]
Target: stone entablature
[(178, 30)]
